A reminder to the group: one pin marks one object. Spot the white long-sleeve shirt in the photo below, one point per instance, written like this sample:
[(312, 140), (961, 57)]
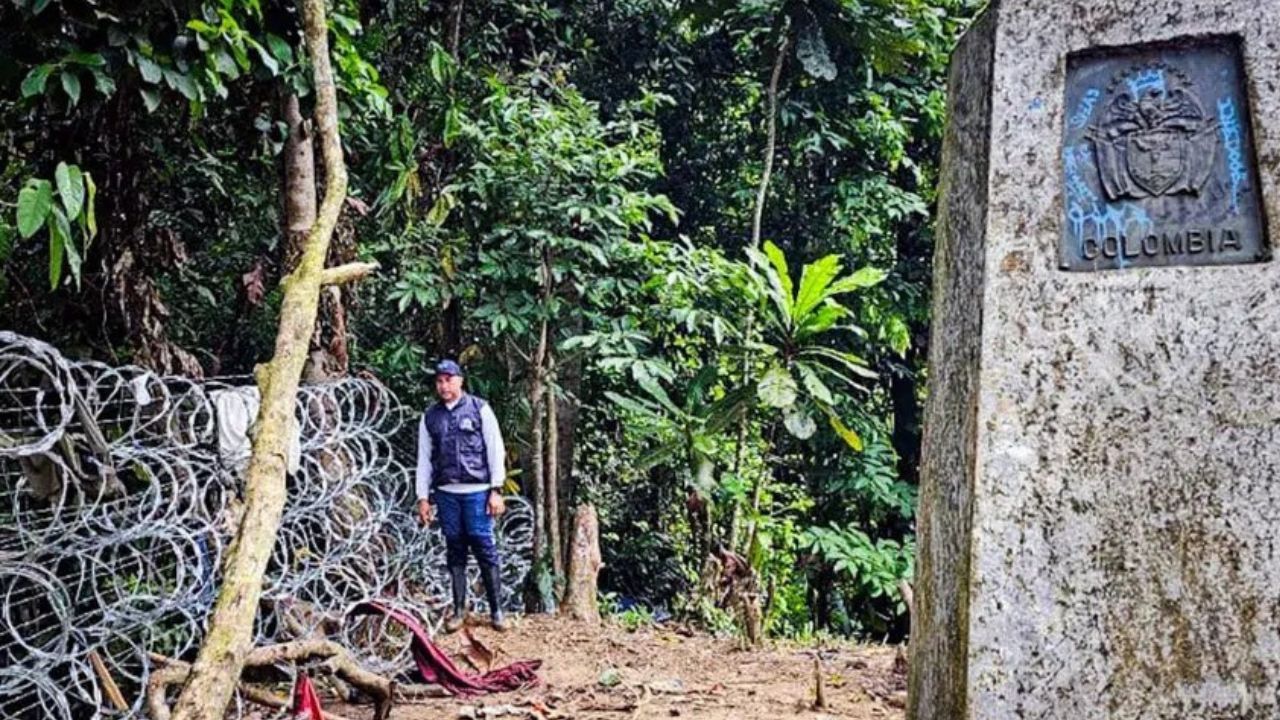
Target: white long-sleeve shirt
[(495, 455)]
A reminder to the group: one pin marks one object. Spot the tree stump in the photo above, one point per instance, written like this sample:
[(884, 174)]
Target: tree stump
[(584, 567)]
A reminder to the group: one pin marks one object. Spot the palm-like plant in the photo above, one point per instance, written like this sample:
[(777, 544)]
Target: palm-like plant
[(797, 324)]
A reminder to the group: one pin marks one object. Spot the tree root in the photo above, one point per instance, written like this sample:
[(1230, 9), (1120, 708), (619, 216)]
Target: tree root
[(335, 658)]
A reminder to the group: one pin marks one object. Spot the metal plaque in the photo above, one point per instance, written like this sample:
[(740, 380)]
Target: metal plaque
[(1157, 158)]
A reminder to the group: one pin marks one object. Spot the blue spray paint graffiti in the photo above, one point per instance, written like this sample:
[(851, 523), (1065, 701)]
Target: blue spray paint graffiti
[(1233, 141), (1085, 109), (1149, 79), (1090, 217)]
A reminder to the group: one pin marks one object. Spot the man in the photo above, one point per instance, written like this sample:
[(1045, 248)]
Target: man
[(461, 468)]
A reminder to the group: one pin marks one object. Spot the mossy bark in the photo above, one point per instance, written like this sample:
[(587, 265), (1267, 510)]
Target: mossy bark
[(216, 671)]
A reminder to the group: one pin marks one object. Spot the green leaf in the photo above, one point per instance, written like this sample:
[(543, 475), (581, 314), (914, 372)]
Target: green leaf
[(90, 214), (777, 388), (183, 83), (863, 278), (6, 243), (774, 253), (815, 280), (822, 319), (87, 59), (452, 124), (268, 60), (223, 62), (103, 82), (70, 188), (898, 334), (814, 385), (150, 98), (632, 405), (40, 6), (651, 386), (34, 202), (150, 70), (441, 65), (34, 82), (60, 227), (799, 423), (440, 209), (71, 85), (202, 27), (57, 240), (280, 49)]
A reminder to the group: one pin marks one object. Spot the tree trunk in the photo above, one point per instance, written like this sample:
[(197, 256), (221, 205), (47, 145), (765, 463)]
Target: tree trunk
[(535, 600), (569, 381), (218, 666), (762, 192), (298, 179), (555, 547), (327, 356), (451, 340), (771, 140), (584, 567)]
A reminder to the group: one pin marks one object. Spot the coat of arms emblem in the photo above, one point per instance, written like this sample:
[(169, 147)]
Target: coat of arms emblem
[(1153, 137)]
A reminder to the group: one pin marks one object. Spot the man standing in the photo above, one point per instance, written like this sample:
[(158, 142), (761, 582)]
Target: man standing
[(461, 468)]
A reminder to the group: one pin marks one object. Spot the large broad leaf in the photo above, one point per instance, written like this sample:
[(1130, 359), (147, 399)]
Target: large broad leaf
[(60, 234), (651, 386), (660, 454), (57, 246), (33, 83), (848, 361), (814, 385), (863, 278), (822, 319), (851, 438), (815, 282), (777, 388), (71, 86), (34, 202), (774, 286), (70, 188), (799, 423), (779, 261), (638, 407), (149, 69)]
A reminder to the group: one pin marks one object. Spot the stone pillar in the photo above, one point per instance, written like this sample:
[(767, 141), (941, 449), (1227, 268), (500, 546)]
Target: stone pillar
[(1100, 502)]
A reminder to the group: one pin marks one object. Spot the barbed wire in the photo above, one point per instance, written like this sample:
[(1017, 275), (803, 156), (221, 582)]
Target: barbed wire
[(117, 503)]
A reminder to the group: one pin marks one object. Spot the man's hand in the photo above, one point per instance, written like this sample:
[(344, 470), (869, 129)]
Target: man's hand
[(497, 505), (424, 512)]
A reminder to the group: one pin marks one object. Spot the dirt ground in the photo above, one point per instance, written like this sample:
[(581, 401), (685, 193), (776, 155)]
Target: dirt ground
[(665, 672)]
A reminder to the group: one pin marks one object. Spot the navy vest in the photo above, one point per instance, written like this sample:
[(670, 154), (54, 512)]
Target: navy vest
[(457, 443)]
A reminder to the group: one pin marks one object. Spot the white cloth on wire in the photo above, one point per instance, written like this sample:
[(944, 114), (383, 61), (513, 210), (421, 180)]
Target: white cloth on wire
[(237, 411)]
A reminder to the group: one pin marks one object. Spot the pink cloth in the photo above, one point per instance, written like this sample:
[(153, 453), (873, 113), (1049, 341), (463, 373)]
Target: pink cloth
[(435, 667)]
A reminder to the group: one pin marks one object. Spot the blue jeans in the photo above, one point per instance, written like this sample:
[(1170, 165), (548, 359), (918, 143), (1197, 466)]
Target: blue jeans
[(466, 523)]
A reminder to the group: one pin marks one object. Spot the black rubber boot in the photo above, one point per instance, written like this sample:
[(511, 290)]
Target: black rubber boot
[(492, 577), (458, 578)]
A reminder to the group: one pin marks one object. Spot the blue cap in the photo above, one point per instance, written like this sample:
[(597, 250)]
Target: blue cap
[(448, 367)]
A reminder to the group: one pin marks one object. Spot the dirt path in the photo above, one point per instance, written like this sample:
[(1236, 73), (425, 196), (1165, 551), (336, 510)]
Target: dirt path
[(664, 673)]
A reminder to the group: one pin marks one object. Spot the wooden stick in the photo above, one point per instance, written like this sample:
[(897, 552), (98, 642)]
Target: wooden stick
[(108, 683)]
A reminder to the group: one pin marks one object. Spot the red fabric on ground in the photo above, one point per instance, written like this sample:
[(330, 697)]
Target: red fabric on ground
[(306, 704), (436, 667)]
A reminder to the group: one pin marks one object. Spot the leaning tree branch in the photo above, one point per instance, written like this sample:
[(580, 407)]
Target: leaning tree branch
[(227, 645), (344, 274)]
